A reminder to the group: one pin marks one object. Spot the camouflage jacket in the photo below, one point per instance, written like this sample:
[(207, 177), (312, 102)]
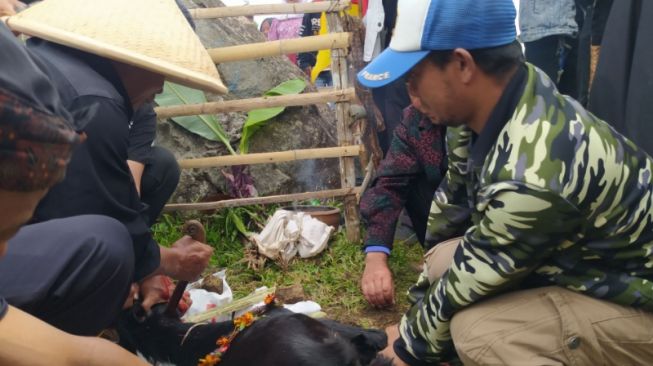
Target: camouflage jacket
[(556, 196)]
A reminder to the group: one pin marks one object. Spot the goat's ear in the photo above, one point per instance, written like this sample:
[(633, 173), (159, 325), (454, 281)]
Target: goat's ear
[(365, 347), (370, 341)]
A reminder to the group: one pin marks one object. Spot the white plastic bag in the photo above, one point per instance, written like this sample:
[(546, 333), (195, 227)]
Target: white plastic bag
[(204, 300)]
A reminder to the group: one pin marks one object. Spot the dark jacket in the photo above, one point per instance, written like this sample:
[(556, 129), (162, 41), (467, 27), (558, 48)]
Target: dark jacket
[(98, 179), (622, 91)]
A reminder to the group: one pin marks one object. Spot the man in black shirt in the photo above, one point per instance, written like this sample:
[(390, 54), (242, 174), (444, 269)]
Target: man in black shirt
[(99, 179), (36, 141)]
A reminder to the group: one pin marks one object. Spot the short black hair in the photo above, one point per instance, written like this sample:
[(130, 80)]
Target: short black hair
[(494, 61)]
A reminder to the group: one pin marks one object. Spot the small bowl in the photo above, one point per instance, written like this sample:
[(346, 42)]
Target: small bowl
[(327, 214)]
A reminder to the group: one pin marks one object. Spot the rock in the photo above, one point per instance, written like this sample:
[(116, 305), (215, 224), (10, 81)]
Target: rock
[(292, 294), (296, 128)]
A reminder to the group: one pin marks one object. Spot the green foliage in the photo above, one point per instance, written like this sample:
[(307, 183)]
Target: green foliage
[(257, 118), (206, 125), (332, 279)]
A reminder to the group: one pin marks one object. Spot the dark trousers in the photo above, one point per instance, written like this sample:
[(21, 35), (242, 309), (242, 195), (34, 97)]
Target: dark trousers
[(418, 206), (566, 59), (74, 273), (159, 181)]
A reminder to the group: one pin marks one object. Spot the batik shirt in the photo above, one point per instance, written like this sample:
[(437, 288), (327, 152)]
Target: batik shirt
[(554, 196), (416, 153)]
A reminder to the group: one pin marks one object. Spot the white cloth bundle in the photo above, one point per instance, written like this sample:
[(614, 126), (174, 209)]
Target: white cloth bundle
[(288, 233)]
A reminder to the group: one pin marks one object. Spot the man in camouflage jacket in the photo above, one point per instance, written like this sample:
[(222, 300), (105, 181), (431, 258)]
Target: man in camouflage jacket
[(555, 264)]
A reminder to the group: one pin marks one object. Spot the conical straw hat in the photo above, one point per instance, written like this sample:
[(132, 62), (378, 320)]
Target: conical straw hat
[(150, 34)]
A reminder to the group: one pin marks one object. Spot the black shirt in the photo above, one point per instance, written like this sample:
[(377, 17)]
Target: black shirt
[(3, 307), (98, 179)]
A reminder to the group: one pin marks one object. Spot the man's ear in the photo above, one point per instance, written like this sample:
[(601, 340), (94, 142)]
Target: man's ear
[(466, 65)]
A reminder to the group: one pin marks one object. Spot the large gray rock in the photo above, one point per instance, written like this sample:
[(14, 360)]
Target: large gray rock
[(296, 128)]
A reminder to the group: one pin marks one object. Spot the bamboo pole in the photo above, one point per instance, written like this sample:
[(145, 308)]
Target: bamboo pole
[(244, 105), (340, 72), (248, 10), (271, 157), (281, 47), (232, 307), (203, 206), (369, 172)]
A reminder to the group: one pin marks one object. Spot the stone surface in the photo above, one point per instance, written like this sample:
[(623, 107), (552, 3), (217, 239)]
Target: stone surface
[(296, 128)]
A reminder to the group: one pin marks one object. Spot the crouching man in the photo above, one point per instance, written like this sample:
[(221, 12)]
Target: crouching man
[(84, 263), (555, 263)]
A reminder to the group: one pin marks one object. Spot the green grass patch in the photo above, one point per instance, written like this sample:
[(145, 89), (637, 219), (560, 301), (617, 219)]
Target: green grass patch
[(332, 279)]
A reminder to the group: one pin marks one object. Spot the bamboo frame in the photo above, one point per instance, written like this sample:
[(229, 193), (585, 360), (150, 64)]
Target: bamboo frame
[(271, 157), (340, 73), (281, 47), (244, 105), (248, 10), (203, 206)]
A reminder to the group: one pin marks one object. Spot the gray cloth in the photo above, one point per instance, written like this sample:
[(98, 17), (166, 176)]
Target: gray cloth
[(542, 18), (73, 273)]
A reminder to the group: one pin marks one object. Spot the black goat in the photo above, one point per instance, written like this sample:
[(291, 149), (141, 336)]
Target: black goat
[(280, 338)]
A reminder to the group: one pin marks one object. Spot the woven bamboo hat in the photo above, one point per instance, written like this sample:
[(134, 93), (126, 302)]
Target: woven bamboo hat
[(150, 34)]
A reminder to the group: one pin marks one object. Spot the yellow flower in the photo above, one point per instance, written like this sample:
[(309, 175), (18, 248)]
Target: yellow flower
[(209, 360), (223, 341)]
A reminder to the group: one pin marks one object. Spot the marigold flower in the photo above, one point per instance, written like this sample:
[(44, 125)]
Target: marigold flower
[(223, 341), (269, 299), (244, 320), (209, 360)]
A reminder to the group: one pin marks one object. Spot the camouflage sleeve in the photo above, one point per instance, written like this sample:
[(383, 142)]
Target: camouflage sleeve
[(519, 225), (450, 210)]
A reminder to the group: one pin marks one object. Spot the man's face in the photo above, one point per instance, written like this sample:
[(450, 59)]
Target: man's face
[(436, 93), (141, 85), (16, 209)]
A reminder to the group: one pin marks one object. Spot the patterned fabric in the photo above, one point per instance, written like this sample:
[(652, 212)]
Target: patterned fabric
[(35, 146), (560, 198), (285, 29), (417, 149)]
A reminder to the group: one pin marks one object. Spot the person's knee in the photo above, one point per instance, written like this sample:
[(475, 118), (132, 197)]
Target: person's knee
[(167, 168), (111, 246)]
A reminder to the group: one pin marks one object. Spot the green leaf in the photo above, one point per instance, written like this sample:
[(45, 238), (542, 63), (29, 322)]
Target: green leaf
[(293, 86), (257, 118), (206, 125), (238, 222)]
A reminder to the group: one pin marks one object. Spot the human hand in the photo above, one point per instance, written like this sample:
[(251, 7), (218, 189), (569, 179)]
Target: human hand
[(377, 284), (392, 332), (157, 289), (10, 7), (186, 259)]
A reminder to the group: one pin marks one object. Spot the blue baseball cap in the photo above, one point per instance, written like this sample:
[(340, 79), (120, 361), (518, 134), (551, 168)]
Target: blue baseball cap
[(431, 25)]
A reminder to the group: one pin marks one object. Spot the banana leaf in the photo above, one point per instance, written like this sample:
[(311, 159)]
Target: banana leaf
[(206, 125), (257, 118)]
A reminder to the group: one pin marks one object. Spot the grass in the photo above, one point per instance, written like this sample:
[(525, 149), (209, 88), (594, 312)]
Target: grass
[(330, 279)]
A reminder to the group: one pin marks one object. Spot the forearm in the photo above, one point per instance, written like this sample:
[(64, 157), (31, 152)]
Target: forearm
[(136, 169), (26, 340)]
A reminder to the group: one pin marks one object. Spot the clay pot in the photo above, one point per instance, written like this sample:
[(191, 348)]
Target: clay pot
[(327, 214)]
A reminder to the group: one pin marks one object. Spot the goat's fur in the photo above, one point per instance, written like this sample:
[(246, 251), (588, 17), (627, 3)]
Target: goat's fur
[(280, 338)]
